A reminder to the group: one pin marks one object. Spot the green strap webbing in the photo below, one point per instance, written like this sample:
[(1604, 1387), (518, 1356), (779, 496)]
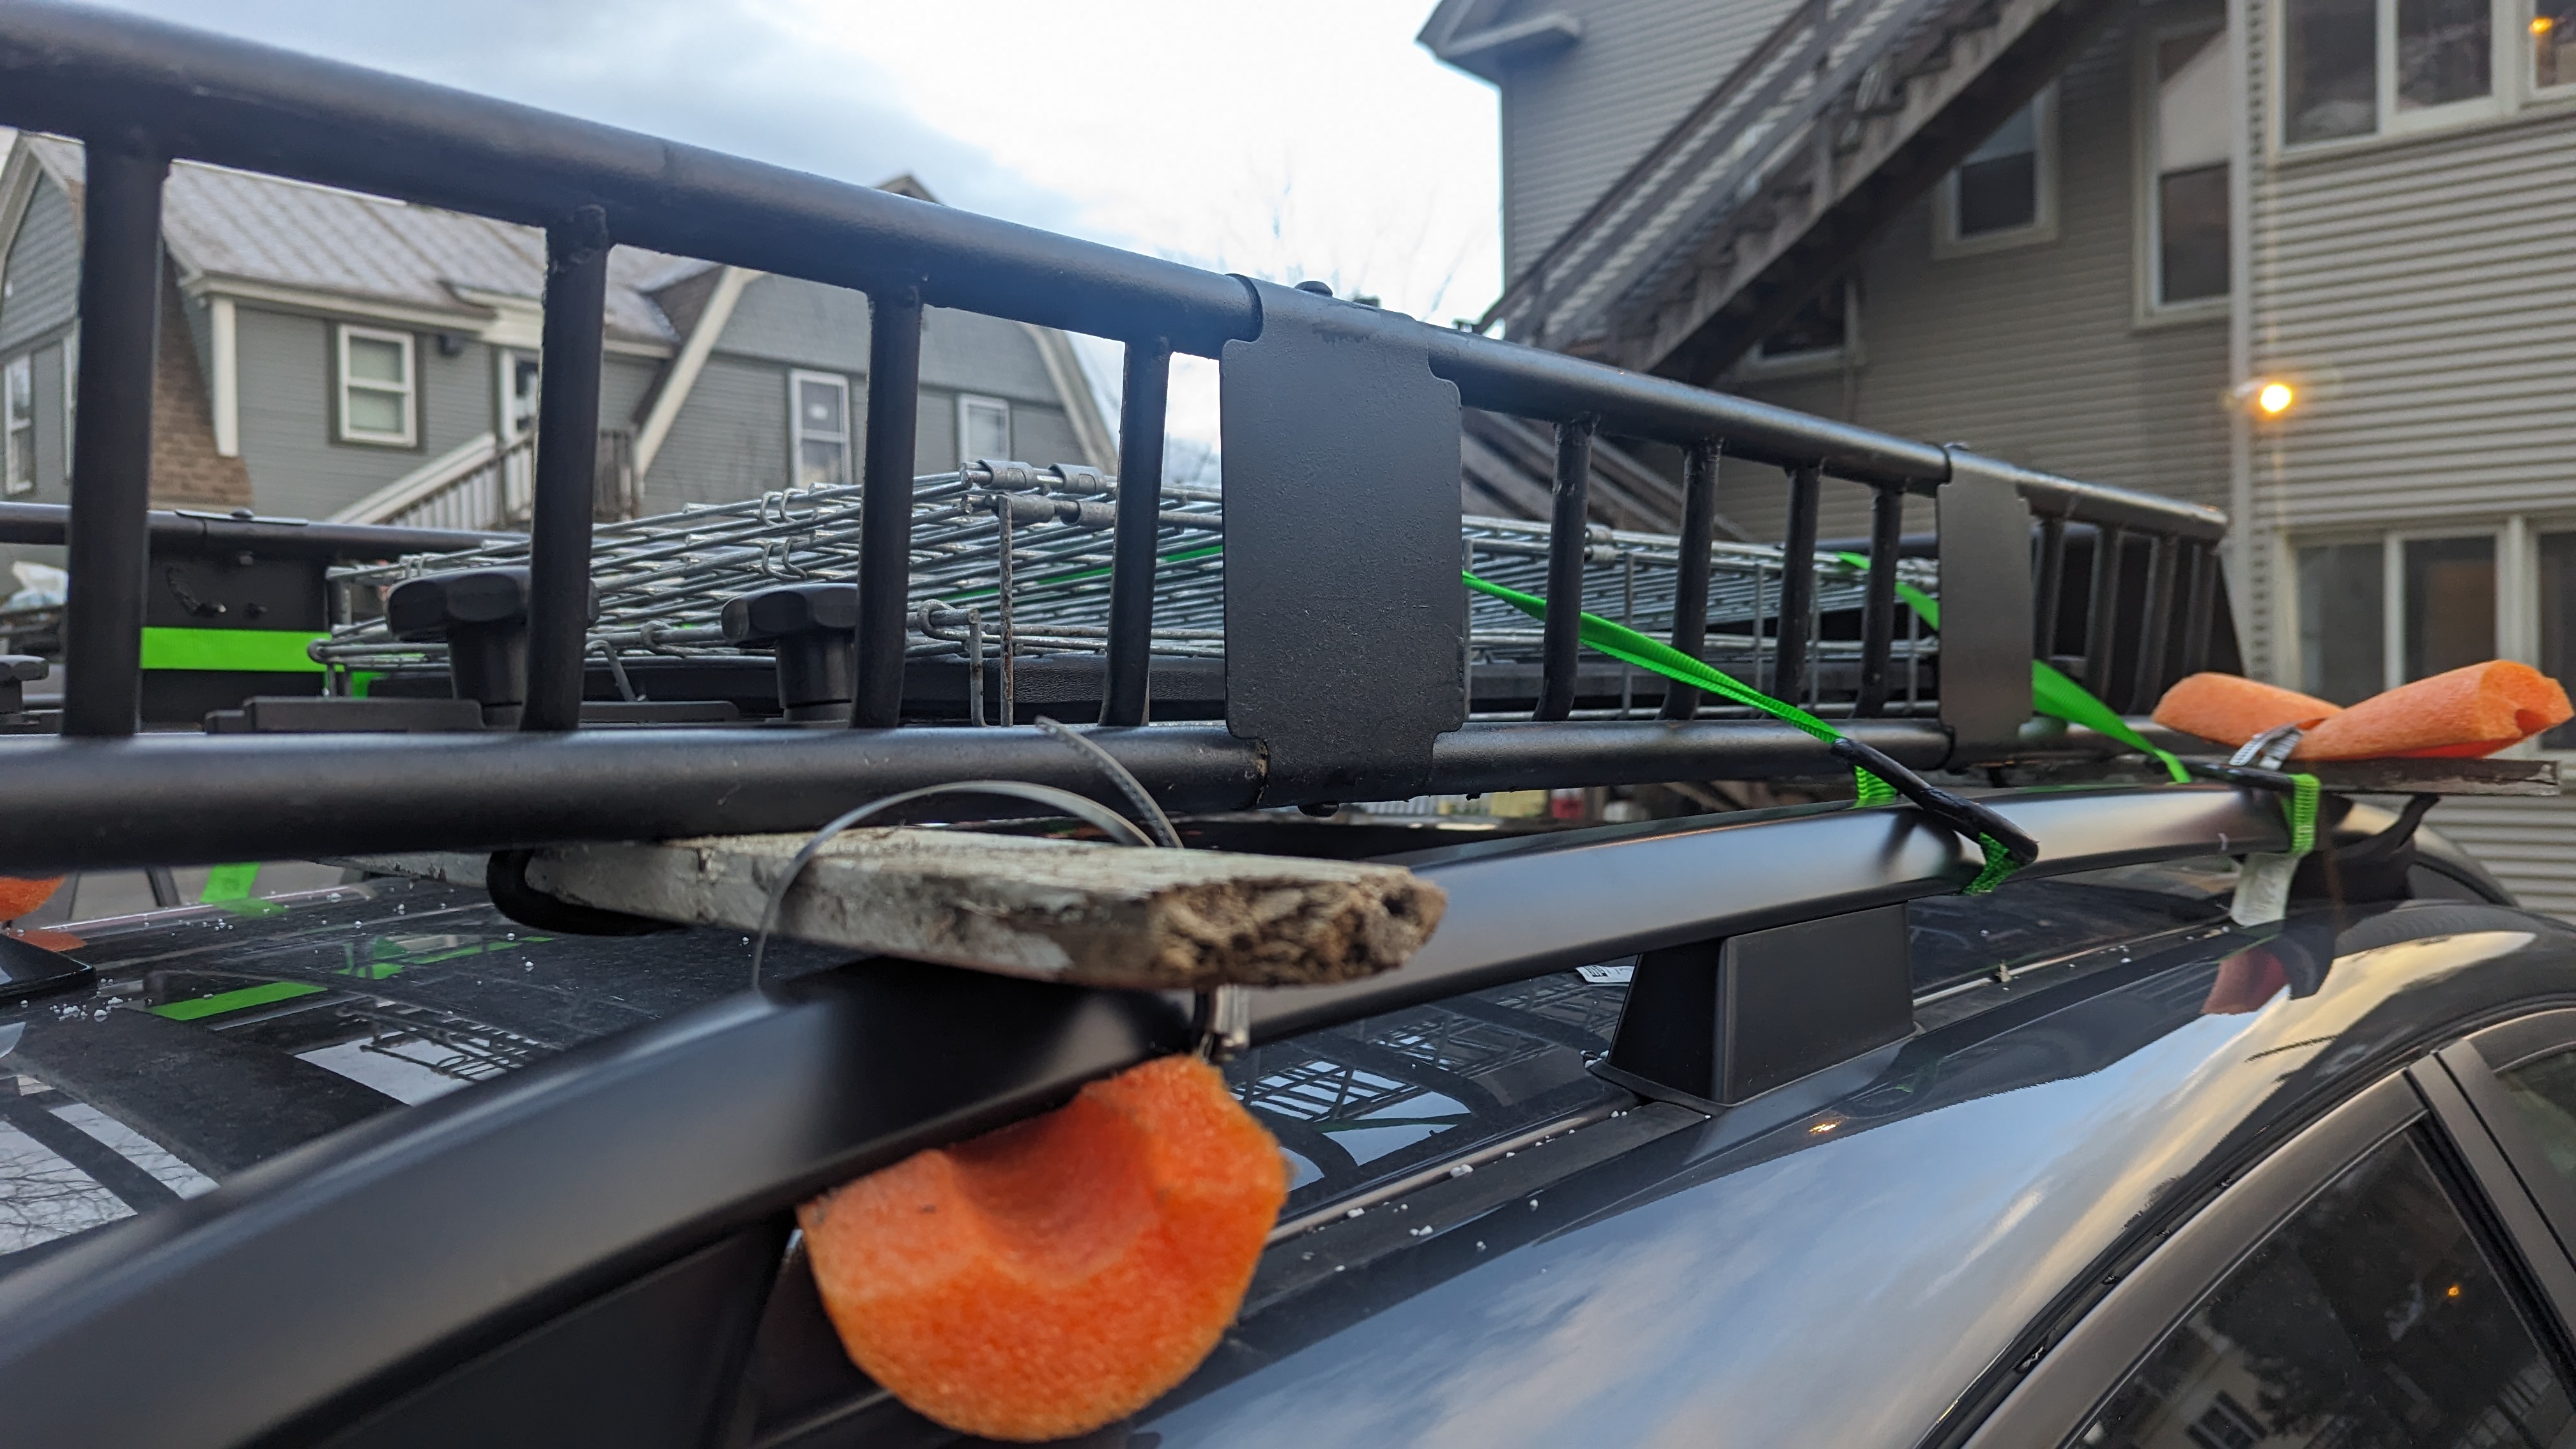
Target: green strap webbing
[(1628, 646), (2051, 692)]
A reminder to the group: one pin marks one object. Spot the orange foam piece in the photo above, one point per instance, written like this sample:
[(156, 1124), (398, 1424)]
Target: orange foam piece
[(2231, 709), (2463, 714), (20, 894), (1054, 1276)]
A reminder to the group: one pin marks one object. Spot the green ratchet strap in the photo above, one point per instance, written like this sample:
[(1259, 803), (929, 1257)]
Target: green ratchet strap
[(2051, 692), (1876, 779)]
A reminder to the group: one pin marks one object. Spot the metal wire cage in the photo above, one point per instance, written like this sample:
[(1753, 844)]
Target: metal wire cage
[(1011, 561)]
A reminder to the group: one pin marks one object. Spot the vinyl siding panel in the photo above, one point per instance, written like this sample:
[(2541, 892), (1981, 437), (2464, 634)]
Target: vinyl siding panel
[(934, 445), (799, 324), (730, 439), (1574, 121), (2411, 290), (2030, 354), (624, 383), (2525, 842), (43, 274), (296, 468), (970, 352), (1042, 435)]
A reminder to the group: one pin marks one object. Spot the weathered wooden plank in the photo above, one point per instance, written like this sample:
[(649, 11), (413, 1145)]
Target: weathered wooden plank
[(1059, 910)]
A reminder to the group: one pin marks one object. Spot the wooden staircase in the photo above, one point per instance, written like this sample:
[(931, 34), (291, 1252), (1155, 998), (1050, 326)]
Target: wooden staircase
[(1765, 193)]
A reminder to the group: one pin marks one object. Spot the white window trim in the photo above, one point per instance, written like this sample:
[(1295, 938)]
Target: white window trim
[(797, 432), (1816, 361), (409, 436), (2508, 66), (969, 400), (505, 368), (11, 421), (1946, 241), (2147, 198)]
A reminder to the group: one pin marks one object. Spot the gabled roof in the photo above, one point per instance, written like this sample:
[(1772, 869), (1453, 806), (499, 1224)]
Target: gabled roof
[(223, 225)]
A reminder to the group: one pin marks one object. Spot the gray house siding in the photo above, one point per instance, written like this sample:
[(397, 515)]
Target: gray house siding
[(1573, 121), (288, 423), (800, 324), (993, 356), (43, 274), (2033, 353), (730, 439)]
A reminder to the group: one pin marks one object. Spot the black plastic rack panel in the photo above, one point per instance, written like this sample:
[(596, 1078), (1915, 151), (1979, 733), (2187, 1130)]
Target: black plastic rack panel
[(1333, 412)]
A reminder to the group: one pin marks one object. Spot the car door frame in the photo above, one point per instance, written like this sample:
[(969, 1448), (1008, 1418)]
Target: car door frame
[(2443, 1091)]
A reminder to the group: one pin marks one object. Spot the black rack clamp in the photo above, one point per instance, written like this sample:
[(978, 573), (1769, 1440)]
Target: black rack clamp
[(1985, 606), (1345, 624)]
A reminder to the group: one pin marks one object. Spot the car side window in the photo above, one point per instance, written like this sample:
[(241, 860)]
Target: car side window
[(2373, 1317), (2544, 1097)]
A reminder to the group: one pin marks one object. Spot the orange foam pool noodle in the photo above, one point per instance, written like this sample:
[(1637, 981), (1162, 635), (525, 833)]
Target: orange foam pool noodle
[(2463, 714), (2231, 709), (20, 894), (1054, 1276)]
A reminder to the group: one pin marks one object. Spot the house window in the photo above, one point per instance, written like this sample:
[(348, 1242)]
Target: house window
[(377, 388), (2377, 613), (2361, 67), (2553, 43), (519, 374), (2558, 621), (821, 422), (1823, 335), (2187, 202), (2003, 193), (983, 428), (18, 425)]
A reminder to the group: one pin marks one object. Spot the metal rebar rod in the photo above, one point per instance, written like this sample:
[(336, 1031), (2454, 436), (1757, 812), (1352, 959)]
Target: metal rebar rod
[(567, 483), (1142, 402), (1690, 581), (1878, 600), (2155, 627), (1010, 627), (2050, 588), (885, 506), (2102, 614), (120, 303), (1567, 541), (2204, 603), (1797, 582)]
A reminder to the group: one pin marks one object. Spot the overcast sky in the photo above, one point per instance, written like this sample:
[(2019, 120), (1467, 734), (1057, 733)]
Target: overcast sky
[(1283, 142)]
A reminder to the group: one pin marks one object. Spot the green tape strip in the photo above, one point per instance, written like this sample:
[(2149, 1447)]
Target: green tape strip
[(248, 996), (250, 651), (2052, 693), (2302, 808)]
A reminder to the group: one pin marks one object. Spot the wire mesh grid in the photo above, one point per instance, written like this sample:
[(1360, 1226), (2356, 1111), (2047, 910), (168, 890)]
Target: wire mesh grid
[(1010, 560)]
